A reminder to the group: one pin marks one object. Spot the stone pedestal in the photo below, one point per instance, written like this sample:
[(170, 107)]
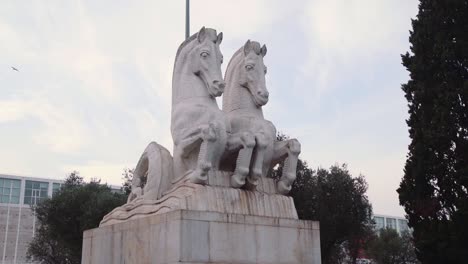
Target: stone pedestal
[(217, 196), (187, 236)]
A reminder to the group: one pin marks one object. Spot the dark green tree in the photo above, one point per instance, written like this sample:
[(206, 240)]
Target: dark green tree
[(391, 248), (338, 201), (76, 207), (434, 189)]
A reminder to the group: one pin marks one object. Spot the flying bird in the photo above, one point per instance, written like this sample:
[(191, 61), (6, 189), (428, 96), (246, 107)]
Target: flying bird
[(13, 68)]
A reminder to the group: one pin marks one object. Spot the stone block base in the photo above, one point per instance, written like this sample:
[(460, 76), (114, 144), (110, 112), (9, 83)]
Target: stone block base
[(185, 236)]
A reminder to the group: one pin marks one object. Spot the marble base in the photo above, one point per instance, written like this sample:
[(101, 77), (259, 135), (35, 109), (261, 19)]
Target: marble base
[(186, 236), (217, 196)]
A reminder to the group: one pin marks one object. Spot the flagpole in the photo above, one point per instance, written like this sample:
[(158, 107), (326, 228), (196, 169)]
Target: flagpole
[(187, 19)]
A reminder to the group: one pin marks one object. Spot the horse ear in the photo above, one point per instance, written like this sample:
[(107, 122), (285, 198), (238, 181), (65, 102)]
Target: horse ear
[(219, 39), (247, 47), (201, 35), (263, 50)]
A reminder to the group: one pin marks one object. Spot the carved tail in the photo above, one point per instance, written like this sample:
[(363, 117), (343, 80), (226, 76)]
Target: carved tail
[(154, 168)]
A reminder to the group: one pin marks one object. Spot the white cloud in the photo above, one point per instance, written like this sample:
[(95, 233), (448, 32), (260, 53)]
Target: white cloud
[(357, 27), (107, 172), (60, 131), (345, 34), (237, 19), (94, 85)]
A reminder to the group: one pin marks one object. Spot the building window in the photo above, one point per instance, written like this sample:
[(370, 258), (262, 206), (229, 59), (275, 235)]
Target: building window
[(391, 223), (35, 192), (379, 222), (56, 187), (10, 191), (403, 225)]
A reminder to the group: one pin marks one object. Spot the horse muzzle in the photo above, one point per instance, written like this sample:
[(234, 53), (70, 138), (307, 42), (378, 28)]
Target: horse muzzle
[(217, 88)]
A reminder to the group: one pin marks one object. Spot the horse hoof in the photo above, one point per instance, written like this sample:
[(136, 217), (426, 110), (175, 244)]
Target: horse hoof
[(251, 184), (205, 166), (198, 178), (237, 181), (256, 173), (283, 188)]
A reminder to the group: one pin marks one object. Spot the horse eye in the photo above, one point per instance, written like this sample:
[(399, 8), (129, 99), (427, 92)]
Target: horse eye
[(204, 54), (248, 67)]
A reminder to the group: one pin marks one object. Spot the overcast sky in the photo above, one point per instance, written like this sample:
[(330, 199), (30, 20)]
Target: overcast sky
[(94, 81)]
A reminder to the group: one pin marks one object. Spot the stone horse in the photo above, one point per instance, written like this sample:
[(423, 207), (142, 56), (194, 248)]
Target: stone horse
[(243, 99), (200, 130)]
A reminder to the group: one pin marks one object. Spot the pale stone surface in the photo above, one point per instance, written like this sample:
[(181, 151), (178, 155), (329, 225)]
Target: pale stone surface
[(204, 237), (216, 197), (243, 99), (152, 176), (200, 130), (184, 209)]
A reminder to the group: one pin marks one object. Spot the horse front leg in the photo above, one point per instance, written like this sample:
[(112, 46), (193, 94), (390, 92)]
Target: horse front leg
[(210, 143), (208, 139), (256, 168), (289, 152), (244, 143)]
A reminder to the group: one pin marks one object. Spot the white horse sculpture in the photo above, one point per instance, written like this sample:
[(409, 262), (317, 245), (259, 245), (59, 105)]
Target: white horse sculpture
[(200, 130), (243, 99)]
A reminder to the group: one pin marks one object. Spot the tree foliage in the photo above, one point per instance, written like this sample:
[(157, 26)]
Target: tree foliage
[(434, 189), (391, 248), (76, 207), (127, 177), (338, 201)]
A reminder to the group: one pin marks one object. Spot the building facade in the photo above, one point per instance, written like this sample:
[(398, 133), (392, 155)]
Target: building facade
[(400, 224), (17, 222)]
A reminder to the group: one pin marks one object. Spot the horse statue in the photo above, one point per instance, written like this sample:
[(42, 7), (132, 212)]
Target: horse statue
[(200, 130), (243, 99)]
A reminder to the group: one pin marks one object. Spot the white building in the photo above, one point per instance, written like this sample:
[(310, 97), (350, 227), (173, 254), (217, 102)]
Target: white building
[(17, 221), (400, 224)]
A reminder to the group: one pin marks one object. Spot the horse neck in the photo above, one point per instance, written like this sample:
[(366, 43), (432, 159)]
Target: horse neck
[(187, 85), (239, 101)]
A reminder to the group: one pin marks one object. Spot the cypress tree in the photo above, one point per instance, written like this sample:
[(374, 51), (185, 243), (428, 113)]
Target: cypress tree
[(434, 189)]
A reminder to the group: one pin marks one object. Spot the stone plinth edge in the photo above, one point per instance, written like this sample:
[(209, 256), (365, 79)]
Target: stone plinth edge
[(186, 236), (189, 196)]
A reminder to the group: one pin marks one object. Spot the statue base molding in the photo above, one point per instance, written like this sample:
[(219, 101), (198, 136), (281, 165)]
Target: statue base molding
[(218, 196), (188, 236)]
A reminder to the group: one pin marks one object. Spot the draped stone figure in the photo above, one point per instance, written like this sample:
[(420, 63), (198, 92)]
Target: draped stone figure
[(243, 99)]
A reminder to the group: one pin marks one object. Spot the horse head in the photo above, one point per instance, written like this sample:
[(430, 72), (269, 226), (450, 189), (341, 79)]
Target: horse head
[(253, 71), (207, 59)]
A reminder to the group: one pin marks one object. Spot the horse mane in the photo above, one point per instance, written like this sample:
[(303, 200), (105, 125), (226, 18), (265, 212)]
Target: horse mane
[(185, 43), (239, 54), (230, 92)]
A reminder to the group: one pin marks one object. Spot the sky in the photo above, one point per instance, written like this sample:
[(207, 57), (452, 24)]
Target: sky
[(94, 81)]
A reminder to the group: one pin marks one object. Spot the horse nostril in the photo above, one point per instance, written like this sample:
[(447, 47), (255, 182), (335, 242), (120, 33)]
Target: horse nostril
[(263, 94)]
